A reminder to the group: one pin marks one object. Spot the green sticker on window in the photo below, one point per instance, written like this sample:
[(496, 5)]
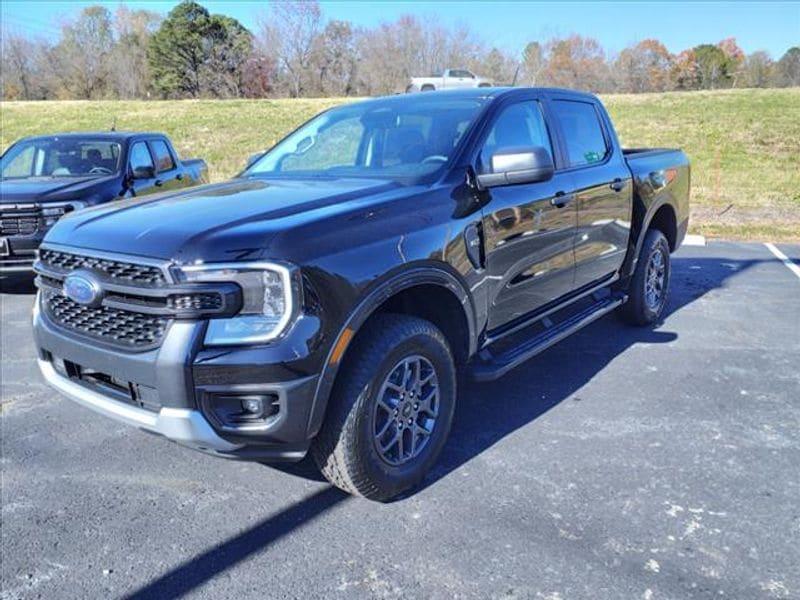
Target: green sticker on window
[(592, 156)]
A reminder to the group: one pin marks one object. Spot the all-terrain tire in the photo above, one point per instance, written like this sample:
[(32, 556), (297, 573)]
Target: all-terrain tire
[(641, 309), (345, 449)]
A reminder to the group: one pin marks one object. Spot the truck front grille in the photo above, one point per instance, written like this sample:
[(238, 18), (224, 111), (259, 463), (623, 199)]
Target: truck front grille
[(115, 270), (20, 219), (126, 329)]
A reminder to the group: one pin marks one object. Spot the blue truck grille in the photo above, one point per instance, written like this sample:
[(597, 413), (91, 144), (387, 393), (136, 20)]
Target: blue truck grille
[(20, 219)]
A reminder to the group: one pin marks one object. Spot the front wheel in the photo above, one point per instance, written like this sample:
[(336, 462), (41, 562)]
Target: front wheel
[(390, 410), (649, 286)]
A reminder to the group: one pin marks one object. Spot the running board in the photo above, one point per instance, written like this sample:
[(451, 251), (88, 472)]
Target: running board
[(489, 366)]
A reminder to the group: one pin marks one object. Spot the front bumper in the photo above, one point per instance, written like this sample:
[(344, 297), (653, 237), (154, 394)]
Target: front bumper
[(22, 253), (178, 382), (182, 425)]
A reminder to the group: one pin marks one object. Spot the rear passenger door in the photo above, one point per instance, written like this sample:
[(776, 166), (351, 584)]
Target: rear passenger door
[(603, 187), (528, 230), (169, 175)]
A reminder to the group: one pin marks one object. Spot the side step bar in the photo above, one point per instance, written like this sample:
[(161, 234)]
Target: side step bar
[(490, 367)]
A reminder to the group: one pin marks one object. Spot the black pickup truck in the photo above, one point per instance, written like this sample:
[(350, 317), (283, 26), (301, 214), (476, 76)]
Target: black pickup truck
[(45, 177), (328, 297)]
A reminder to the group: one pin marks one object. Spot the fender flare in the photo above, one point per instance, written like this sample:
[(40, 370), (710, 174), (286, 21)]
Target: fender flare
[(406, 279), (630, 262)]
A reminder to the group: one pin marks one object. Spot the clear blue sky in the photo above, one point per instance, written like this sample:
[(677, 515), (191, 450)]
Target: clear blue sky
[(771, 26)]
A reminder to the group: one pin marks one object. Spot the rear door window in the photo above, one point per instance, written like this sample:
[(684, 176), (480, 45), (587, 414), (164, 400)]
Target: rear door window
[(163, 156), (583, 133)]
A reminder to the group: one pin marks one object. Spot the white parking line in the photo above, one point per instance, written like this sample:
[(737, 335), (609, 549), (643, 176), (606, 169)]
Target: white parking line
[(694, 240), (784, 259)]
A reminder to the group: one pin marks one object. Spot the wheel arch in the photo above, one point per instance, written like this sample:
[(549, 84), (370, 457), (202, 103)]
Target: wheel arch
[(660, 215), (666, 221), (451, 309)]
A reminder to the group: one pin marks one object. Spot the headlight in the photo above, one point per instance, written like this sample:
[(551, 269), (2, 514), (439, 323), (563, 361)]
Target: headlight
[(53, 212), (270, 297)]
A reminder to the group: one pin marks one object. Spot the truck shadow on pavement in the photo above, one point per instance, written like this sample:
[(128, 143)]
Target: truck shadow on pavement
[(486, 414), (535, 387), (197, 570)]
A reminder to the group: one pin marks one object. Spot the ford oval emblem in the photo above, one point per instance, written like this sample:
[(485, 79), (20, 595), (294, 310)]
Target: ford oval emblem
[(83, 288)]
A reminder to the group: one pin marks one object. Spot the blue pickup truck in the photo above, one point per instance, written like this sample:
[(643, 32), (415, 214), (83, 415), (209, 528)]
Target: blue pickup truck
[(46, 177)]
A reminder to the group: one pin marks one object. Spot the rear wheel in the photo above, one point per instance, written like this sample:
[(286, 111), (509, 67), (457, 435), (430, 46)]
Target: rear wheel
[(649, 287), (390, 410)]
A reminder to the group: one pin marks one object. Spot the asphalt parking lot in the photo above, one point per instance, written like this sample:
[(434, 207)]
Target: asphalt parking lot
[(622, 463)]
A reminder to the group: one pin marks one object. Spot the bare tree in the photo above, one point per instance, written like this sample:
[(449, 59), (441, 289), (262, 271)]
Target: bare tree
[(19, 67), (758, 70), (499, 67), (410, 46), (290, 32), (643, 67), (335, 60), (788, 67), (533, 63), (130, 73), (577, 62), (82, 56)]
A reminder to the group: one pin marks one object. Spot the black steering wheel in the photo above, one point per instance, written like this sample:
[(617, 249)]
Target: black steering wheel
[(100, 171)]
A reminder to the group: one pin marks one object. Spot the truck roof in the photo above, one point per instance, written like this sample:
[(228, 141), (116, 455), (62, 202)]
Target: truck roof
[(100, 135), (495, 92)]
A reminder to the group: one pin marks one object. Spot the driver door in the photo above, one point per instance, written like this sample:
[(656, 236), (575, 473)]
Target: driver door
[(529, 228), (139, 156)]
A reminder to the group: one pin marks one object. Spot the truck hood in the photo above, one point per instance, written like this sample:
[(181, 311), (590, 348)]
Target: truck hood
[(228, 221), (49, 189)]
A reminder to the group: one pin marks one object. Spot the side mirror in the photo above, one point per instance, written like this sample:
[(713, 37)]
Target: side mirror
[(252, 159), (518, 165), (144, 172)]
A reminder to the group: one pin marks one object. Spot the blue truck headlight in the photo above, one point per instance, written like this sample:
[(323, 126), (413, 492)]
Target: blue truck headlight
[(54, 211), (270, 293)]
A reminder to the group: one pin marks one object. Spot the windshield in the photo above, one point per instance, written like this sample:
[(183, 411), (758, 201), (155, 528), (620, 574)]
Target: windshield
[(60, 157), (400, 139)]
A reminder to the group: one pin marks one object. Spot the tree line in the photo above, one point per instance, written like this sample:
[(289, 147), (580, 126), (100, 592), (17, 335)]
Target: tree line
[(295, 51)]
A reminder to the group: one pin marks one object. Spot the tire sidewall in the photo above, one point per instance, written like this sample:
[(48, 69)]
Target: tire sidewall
[(657, 244), (402, 476)]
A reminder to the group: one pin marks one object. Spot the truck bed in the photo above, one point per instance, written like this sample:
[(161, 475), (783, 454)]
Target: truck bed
[(660, 175)]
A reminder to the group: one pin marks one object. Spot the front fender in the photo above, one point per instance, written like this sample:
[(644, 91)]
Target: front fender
[(372, 299)]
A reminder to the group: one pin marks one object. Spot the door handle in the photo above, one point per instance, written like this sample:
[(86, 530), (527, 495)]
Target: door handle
[(179, 176), (561, 199), (617, 185), (158, 183)]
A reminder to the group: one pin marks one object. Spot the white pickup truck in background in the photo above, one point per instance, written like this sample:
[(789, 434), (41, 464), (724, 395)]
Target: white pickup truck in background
[(449, 79)]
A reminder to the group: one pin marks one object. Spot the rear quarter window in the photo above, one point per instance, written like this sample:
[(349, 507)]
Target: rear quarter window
[(583, 132)]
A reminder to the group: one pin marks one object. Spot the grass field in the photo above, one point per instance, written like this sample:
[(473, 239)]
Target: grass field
[(744, 144)]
